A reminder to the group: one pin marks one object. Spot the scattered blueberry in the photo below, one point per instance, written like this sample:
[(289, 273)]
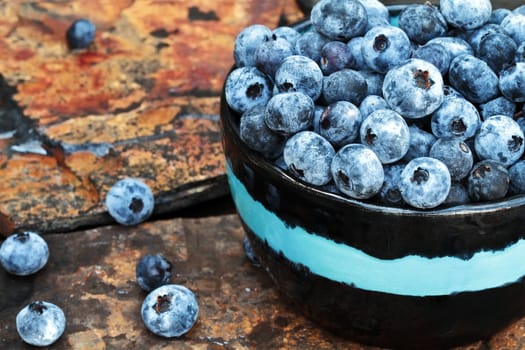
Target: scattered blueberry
[(384, 47), (425, 182), (247, 42), (152, 271), (246, 87), (130, 201), (488, 180), (24, 253), (339, 123), (40, 323), (80, 34), (289, 112), (339, 20), (466, 14), (170, 310)]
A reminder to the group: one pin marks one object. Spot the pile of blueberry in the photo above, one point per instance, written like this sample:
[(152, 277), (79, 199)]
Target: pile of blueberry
[(420, 110)]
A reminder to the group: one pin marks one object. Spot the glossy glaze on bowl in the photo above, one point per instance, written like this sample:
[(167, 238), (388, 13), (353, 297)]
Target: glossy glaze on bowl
[(381, 275)]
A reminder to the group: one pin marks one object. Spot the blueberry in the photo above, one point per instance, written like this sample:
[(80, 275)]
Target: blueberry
[(301, 74), (257, 136), (289, 112), (466, 14), (375, 8), (517, 177), (339, 123), (422, 22), (500, 105), (310, 44), (457, 195), (498, 15), (246, 87), (40, 323), (357, 171), (384, 47), (170, 310), (425, 182), (390, 193), (250, 253), (269, 55), (335, 55), (130, 201), (473, 78), (24, 253), (474, 38), (386, 133), (455, 46), (434, 53), (456, 117), (514, 26), (355, 45), (80, 34), (152, 271), (370, 104), (374, 82), (498, 50), (420, 143), (512, 82), (288, 33), (500, 138), (455, 154), (247, 41), (344, 85), (339, 20), (308, 157), (520, 53), (449, 91), (414, 88), (488, 180)]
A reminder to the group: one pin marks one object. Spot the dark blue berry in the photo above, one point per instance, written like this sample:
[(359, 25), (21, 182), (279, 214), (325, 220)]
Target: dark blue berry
[(375, 8), (456, 117), (517, 177), (370, 104), (289, 112), (474, 37), (300, 74), (247, 87), (130, 201), (24, 253), (390, 194), (498, 15), (339, 20), (488, 180), (455, 154), (425, 182), (339, 123), (357, 171), (466, 14), (256, 134), (335, 55), (80, 34), (152, 271), (455, 46), (420, 143), (434, 53), (457, 195), (270, 54), (355, 45), (384, 47), (247, 41), (374, 82), (344, 85), (500, 105), (422, 22), (308, 157), (40, 323), (310, 44), (170, 310), (512, 82), (498, 50)]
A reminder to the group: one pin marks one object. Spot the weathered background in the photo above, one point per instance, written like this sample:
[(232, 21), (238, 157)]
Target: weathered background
[(142, 102)]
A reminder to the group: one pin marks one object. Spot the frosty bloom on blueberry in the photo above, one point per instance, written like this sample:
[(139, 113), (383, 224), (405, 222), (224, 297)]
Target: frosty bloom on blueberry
[(40, 323), (24, 253), (152, 271), (130, 201)]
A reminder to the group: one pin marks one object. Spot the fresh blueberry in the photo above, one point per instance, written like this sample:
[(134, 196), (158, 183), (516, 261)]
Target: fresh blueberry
[(488, 180), (355, 45), (449, 91), (308, 157), (246, 87), (310, 44), (250, 253), (390, 193), (170, 310), (152, 271), (24, 253), (339, 20), (520, 53), (301, 74), (384, 47), (375, 8), (130, 201), (517, 177), (256, 134), (514, 26), (475, 36), (40, 323), (374, 82), (414, 88), (357, 171), (498, 15), (455, 154), (80, 34), (500, 138), (425, 182), (269, 55), (455, 46), (420, 143), (339, 123), (386, 133), (500, 105), (512, 82), (370, 104), (434, 53), (374, 21), (422, 22), (335, 55), (498, 50), (466, 14), (456, 117), (288, 33), (289, 112), (457, 195), (344, 85), (473, 78), (247, 41)]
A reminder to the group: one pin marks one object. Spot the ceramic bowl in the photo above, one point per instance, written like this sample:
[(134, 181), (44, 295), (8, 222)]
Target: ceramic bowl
[(384, 276)]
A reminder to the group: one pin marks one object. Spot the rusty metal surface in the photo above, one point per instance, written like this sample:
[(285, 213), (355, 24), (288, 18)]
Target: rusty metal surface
[(142, 102)]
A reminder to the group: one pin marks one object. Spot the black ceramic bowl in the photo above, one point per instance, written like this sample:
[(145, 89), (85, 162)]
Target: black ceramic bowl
[(379, 275)]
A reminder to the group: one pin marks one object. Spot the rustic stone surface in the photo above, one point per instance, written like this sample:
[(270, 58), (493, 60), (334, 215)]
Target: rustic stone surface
[(142, 101), (91, 276)]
